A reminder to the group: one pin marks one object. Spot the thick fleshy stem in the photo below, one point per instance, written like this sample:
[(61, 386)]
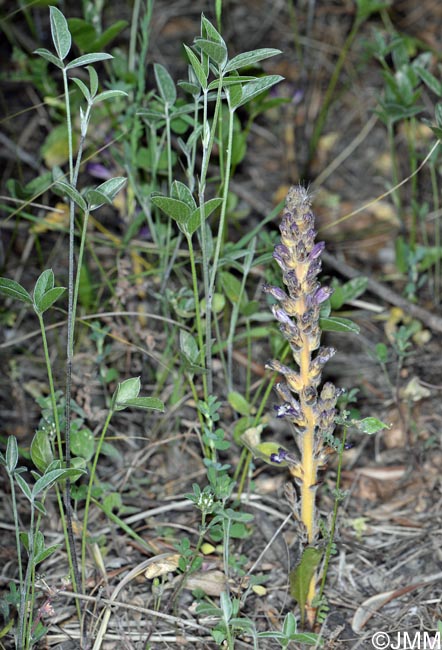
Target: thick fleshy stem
[(298, 312)]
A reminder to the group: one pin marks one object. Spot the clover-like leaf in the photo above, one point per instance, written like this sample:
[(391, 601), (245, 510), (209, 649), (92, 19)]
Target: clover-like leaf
[(165, 83), (197, 67), (149, 403), (45, 54), (44, 283), (41, 451), (61, 36), (13, 289), (52, 476), (247, 59), (71, 191), (86, 59), (11, 454)]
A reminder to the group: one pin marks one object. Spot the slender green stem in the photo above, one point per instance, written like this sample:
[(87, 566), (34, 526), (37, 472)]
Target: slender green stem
[(51, 386), (328, 98), (394, 168), (334, 516), (410, 134), (214, 270), (16, 526), (235, 314), (199, 326), (24, 615), (437, 233), (70, 337), (208, 138), (80, 264), (133, 35), (70, 548), (166, 259), (89, 496)]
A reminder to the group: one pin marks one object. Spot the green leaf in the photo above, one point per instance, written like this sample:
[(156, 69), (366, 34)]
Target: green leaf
[(71, 191), (189, 347), (150, 403), (182, 193), (289, 626), (369, 425), (13, 289), (109, 34), (112, 186), (196, 67), (128, 389), (46, 552), (96, 199), (190, 88), (234, 94), (61, 36), (209, 31), (239, 403), (11, 454), (174, 208), (215, 51), (381, 352), (41, 451), (82, 442), (83, 33), (45, 54), (87, 59), (165, 84), (44, 283), (49, 298), (348, 291), (109, 94), (255, 88), (49, 478), (24, 487), (247, 59), (302, 575), (231, 286), (194, 221), (39, 542), (84, 89), (338, 324), (93, 80), (367, 7), (430, 80)]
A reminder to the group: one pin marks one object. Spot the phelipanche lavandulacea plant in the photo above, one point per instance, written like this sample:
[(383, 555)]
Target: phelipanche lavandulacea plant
[(308, 407)]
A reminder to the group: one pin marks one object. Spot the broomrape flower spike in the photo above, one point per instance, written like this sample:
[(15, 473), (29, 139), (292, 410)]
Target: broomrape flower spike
[(309, 408)]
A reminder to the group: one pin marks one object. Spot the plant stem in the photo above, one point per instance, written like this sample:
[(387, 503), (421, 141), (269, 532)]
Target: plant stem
[(89, 496), (319, 125), (70, 337), (334, 516)]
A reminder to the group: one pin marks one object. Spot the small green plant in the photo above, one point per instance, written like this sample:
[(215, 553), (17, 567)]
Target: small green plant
[(52, 445), (406, 72)]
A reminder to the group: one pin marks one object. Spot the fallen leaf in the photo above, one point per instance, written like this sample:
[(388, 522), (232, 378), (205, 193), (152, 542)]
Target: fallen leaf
[(211, 582), (163, 566)]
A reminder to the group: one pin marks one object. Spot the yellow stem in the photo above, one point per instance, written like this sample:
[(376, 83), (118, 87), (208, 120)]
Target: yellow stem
[(309, 464)]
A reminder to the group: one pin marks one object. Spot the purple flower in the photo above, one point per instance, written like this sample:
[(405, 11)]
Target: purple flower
[(276, 292), (316, 250), (286, 409), (281, 315), (322, 294), (281, 254)]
